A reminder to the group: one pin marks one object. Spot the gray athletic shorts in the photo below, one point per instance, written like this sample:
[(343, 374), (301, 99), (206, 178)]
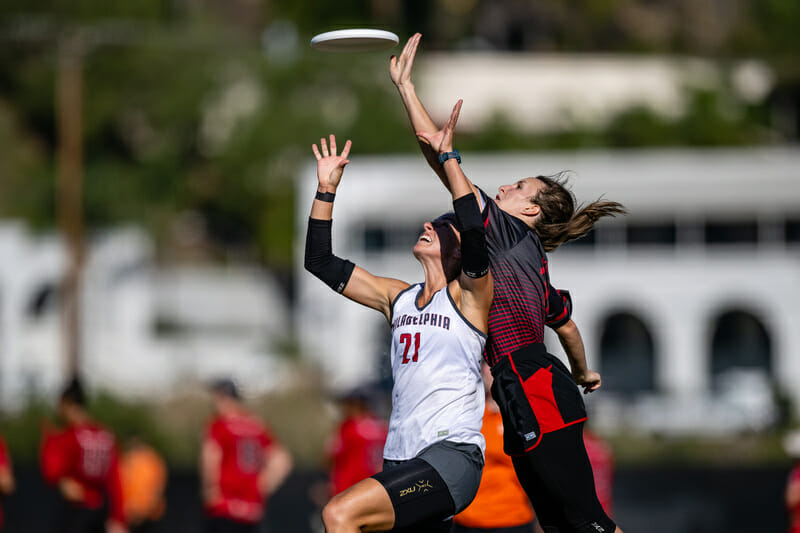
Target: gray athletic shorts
[(459, 464)]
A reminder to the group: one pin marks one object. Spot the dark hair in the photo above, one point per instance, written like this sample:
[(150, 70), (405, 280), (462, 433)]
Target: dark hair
[(73, 393), (225, 387), (448, 245), (558, 221)]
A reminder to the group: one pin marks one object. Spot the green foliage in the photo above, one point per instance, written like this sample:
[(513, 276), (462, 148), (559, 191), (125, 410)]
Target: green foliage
[(186, 111)]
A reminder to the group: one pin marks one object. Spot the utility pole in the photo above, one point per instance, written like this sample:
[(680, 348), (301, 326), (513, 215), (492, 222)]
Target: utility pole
[(69, 113)]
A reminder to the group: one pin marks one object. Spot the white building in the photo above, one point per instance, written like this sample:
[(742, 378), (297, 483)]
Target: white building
[(689, 306), (146, 331)]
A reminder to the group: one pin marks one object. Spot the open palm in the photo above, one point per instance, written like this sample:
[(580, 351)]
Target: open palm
[(329, 165)]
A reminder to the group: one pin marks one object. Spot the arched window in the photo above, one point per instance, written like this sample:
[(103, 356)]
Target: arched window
[(627, 354), (740, 340)]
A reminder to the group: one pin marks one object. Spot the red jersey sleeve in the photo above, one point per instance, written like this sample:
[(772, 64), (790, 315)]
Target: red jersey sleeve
[(114, 488), (216, 432), (559, 307), (54, 457), (5, 461), (266, 438)]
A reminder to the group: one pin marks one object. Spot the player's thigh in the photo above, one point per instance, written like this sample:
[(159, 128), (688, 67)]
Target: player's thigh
[(419, 494), (560, 483), (366, 505)]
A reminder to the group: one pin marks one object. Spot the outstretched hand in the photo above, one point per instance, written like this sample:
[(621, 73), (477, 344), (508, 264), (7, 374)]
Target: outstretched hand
[(400, 67), (329, 165), (442, 140), (590, 381)]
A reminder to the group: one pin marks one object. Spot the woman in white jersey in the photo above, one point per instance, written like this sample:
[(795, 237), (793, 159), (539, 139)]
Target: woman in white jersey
[(434, 450)]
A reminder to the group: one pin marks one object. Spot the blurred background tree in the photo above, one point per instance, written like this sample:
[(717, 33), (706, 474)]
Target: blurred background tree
[(198, 113)]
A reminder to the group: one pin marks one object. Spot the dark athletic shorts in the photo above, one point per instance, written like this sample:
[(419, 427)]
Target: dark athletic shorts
[(73, 518), (536, 394), (429, 489), (558, 479), (225, 525)]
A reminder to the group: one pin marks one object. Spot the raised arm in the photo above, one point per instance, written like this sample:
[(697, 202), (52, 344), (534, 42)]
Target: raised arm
[(340, 274), (429, 136), (475, 283)]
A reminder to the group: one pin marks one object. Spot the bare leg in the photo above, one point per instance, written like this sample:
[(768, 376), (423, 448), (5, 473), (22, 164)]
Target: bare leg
[(363, 507)]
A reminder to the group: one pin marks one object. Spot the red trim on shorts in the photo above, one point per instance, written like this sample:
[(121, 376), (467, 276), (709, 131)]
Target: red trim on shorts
[(522, 383)]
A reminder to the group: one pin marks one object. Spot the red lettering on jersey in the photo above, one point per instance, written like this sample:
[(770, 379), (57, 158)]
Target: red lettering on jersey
[(405, 339)]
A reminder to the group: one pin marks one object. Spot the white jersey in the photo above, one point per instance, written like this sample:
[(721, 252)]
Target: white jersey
[(436, 366)]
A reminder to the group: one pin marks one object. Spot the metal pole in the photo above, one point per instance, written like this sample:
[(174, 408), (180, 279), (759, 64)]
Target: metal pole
[(69, 112)]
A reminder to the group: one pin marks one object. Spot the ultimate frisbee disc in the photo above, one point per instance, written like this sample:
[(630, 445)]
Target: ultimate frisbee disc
[(356, 40)]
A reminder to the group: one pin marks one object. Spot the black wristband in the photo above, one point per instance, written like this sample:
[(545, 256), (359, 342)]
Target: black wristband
[(450, 155), (325, 196)]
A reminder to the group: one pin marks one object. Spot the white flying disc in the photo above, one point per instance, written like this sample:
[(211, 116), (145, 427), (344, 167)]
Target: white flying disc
[(356, 40)]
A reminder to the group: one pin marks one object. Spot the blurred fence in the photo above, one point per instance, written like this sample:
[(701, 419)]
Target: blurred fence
[(647, 499)]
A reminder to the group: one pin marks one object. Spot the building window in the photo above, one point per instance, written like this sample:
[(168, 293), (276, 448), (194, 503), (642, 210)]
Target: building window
[(652, 233), (383, 238), (627, 354), (740, 341), (792, 231), (374, 239), (739, 232)]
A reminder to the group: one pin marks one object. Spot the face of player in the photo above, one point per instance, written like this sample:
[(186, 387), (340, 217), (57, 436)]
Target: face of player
[(441, 240), (515, 199)]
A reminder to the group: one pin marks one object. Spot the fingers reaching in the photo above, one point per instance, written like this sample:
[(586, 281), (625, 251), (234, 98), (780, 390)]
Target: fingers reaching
[(410, 50), (454, 115), (329, 149), (346, 151)]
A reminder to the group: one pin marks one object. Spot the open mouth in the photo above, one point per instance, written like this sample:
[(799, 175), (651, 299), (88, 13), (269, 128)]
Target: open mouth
[(425, 238)]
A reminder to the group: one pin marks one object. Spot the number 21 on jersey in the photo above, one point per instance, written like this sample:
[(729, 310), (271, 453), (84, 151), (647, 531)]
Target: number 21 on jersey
[(406, 341)]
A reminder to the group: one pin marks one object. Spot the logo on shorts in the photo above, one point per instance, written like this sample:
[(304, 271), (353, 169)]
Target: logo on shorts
[(530, 436), (421, 486), (597, 526)]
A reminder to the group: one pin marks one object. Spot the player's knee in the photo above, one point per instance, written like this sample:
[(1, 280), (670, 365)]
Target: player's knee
[(336, 514)]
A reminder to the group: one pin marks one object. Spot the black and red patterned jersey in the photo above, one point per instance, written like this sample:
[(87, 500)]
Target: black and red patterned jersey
[(524, 301)]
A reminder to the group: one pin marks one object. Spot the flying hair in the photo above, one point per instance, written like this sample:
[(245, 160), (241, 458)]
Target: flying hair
[(560, 220)]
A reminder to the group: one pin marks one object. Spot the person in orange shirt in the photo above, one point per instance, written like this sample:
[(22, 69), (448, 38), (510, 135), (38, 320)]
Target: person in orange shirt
[(144, 478), (501, 505)]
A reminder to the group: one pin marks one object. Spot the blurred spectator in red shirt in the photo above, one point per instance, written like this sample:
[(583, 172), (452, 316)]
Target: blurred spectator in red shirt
[(602, 459), (144, 478), (82, 462), (241, 464), (6, 476), (355, 451), (792, 494)]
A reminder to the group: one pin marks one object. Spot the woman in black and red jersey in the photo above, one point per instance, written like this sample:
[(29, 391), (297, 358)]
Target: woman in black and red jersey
[(543, 412)]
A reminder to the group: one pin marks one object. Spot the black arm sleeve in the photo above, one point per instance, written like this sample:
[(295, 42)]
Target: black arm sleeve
[(474, 253), (319, 259)]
